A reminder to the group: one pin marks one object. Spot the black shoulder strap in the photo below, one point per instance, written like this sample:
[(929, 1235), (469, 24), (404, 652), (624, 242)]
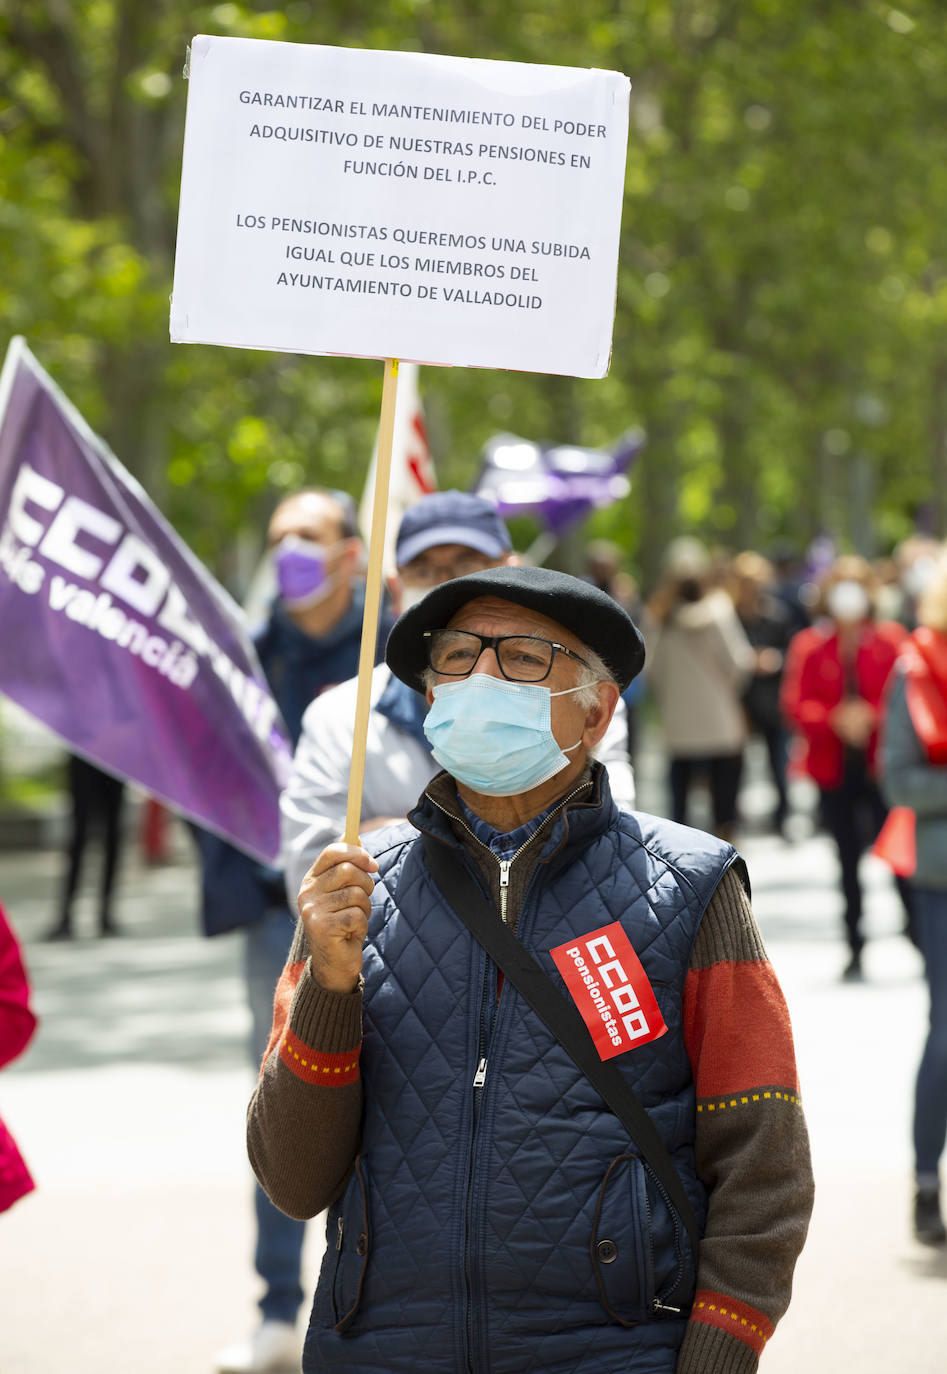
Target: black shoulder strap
[(560, 1016)]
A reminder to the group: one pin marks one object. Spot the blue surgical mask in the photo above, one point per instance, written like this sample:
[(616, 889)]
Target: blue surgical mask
[(495, 736), (301, 571)]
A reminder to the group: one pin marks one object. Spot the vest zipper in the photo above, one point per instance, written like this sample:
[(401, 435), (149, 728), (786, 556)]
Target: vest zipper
[(504, 886), (506, 864), (657, 1303), (479, 1080), (485, 1031)]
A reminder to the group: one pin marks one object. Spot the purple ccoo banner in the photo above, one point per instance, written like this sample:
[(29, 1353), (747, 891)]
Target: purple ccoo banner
[(115, 636)]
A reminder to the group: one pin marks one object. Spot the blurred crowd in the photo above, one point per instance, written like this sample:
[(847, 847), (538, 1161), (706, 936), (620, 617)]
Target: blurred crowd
[(839, 665), (746, 645)]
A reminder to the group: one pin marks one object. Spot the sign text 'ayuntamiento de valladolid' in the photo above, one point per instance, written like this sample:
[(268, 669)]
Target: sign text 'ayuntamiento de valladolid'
[(400, 205)]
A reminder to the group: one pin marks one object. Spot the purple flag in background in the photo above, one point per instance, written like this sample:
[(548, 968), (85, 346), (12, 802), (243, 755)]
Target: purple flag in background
[(115, 636), (557, 485)]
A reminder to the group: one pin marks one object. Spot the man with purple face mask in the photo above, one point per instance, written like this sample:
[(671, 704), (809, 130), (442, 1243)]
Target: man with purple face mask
[(309, 641)]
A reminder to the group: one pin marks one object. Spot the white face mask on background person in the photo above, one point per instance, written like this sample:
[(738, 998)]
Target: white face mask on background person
[(410, 596), (847, 601), (918, 575)]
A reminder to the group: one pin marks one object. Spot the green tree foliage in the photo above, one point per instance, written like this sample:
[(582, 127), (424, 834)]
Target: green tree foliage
[(782, 291)]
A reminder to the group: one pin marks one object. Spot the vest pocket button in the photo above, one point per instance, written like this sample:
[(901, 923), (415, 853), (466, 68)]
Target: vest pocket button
[(607, 1251), (361, 1245)]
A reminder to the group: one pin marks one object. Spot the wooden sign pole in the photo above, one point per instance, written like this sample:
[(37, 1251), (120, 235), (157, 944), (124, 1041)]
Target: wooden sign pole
[(373, 586)]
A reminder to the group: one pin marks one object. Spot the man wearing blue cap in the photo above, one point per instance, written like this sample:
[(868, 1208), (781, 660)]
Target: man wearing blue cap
[(448, 534), (456, 1010)]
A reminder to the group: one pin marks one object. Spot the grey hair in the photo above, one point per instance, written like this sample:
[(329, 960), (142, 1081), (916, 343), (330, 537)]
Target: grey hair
[(595, 672), (592, 672)]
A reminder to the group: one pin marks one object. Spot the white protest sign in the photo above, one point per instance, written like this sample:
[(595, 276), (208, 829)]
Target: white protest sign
[(400, 205)]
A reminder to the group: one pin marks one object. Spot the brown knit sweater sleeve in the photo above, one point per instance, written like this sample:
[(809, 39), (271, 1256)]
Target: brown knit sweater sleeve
[(752, 1146), (304, 1119)]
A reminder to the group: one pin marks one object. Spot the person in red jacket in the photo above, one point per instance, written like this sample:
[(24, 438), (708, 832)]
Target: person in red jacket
[(17, 1024), (832, 690), (914, 776)]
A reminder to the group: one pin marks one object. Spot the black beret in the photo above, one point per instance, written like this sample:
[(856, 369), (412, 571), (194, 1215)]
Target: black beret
[(592, 616)]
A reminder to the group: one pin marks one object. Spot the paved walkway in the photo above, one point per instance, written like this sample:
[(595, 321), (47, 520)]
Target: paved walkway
[(133, 1255)]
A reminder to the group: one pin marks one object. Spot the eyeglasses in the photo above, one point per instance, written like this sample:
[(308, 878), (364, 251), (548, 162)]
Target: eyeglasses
[(522, 658)]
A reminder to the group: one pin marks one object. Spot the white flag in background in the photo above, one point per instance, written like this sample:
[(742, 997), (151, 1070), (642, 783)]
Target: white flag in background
[(412, 472)]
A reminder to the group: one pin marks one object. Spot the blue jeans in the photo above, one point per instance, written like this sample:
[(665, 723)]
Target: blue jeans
[(930, 1102), (279, 1238)]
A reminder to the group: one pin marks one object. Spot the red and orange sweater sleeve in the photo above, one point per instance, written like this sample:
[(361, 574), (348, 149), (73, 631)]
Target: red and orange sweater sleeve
[(304, 1119), (752, 1146)]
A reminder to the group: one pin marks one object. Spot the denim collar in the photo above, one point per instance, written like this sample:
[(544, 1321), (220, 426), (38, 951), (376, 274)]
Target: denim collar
[(588, 817), (504, 846)]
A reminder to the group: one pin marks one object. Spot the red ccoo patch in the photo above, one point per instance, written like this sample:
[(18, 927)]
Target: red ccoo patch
[(611, 990)]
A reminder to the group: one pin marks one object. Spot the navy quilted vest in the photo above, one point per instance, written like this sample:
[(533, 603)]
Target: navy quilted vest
[(513, 1227)]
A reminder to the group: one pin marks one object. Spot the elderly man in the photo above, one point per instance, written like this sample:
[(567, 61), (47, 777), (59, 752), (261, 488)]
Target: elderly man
[(447, 534), (488, 1211)]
